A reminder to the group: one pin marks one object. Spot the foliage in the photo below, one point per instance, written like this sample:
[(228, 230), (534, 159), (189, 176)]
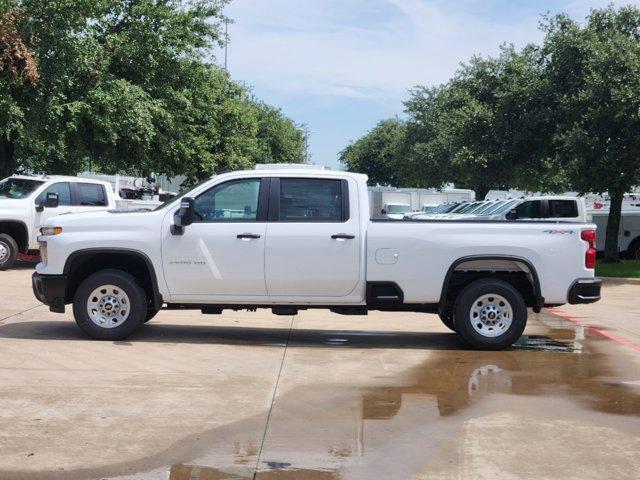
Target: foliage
[(378, 153), (593, 72), (564, 115), (124, 86)]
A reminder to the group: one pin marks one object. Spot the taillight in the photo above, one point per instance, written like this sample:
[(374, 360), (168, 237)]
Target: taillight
[(589, 236)]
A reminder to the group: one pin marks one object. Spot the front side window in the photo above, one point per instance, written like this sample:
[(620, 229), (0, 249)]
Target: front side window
[(18, 187), (310, 200), (62, 189), (235, 201), (563, 209), (92, 194)]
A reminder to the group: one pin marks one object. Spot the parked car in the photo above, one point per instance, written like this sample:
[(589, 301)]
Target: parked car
[(433, 210), (396, 211), (457, 212), (547, 208), (305, 240), (26, 202)]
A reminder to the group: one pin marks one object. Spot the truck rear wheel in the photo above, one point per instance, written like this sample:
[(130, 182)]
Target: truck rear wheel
[(8, 251), (110, 305), (490, 314)]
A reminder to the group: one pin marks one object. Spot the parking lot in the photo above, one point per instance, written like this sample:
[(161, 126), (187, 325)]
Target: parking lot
[(318, 396)]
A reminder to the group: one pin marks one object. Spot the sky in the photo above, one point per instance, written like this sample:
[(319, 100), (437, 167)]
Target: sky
[(341, 66)]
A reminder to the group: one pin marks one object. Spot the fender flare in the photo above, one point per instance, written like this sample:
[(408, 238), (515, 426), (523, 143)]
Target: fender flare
[(23, 225), (157, 298), (539, 299)]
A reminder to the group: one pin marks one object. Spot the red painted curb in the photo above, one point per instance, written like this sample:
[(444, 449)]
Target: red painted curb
[(604, 333)]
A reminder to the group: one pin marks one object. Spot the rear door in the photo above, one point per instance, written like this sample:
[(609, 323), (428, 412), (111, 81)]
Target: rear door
[(89, 196), (313, 238)]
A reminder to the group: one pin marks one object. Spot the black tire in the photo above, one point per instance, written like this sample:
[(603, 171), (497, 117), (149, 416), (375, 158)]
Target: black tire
[(447, 320), (8, 251), (463, 313), (633, 253), (137, 304)]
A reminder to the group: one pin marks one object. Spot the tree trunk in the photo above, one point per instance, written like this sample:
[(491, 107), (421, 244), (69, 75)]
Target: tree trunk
[(481, 191), (7, 161), (613, 228)]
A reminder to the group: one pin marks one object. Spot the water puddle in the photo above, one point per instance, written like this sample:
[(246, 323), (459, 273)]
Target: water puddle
[(413, 407)]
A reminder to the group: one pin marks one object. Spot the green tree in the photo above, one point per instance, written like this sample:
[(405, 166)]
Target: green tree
[(486, 128), (379, 153), (124, 86), (593, 71)]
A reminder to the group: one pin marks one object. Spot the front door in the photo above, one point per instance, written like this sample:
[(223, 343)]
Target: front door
[(222, 252), (313, 239), (65, 205)]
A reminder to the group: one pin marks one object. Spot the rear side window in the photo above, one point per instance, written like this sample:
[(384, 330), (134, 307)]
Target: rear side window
[(62, 189), (563, 209), (92, 194), (311, 200), (529, 209)]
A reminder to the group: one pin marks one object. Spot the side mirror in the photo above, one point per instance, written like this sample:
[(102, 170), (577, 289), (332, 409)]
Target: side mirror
[(52, 201), (383, 211), (512, 215), (185, 216)]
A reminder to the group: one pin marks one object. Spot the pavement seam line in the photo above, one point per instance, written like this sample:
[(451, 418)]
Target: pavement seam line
[(20, 313), (273, 399)]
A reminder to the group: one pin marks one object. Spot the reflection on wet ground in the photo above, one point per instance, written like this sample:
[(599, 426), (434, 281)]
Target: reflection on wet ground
[(556, 384)]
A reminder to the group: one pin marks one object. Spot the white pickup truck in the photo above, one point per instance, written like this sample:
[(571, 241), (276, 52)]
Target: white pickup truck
[(296, 238), (26, 202)]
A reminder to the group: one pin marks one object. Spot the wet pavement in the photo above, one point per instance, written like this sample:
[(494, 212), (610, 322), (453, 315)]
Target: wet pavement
[(316, 396)]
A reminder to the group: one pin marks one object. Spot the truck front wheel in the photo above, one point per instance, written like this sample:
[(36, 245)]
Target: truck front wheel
[(447, 319), (490, 314), (110, 305), (8, 251)]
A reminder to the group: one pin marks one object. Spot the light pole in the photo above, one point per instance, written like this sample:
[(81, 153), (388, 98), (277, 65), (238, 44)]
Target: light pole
[(227, 21)]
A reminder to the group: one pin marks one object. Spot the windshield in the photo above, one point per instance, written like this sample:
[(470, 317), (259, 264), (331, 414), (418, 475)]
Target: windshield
[(485, 209), (504, 207), (475, 209), (182, 193), (398, 209), (18, 187), (465, 207), (447, 207)]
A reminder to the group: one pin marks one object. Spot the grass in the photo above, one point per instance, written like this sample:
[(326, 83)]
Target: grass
[(626, 268)]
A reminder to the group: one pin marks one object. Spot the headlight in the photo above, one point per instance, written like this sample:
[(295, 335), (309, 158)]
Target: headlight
[(48, 231)]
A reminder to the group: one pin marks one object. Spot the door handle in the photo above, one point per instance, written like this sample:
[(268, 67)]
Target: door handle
[(248, 235), (343, 236)]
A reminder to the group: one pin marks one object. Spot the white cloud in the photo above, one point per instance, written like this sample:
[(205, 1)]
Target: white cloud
[(357, 48), (368, 48)]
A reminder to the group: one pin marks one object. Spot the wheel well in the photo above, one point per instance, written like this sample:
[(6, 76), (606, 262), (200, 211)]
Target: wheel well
[(84, 264), (18, 231), (635, 244), (516, 272)]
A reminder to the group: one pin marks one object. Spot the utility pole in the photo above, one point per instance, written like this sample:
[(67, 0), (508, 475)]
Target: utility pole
[(227, 21)]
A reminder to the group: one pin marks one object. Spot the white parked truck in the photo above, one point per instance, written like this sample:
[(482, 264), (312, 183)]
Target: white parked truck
[(291, 239), (26, 202)]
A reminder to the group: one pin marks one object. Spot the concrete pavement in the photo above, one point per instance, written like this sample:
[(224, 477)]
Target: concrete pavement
[(317, 396)]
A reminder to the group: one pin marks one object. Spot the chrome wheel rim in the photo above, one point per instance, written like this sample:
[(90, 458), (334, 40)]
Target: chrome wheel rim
[(4, 252), (491, 315), (108, 306)]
